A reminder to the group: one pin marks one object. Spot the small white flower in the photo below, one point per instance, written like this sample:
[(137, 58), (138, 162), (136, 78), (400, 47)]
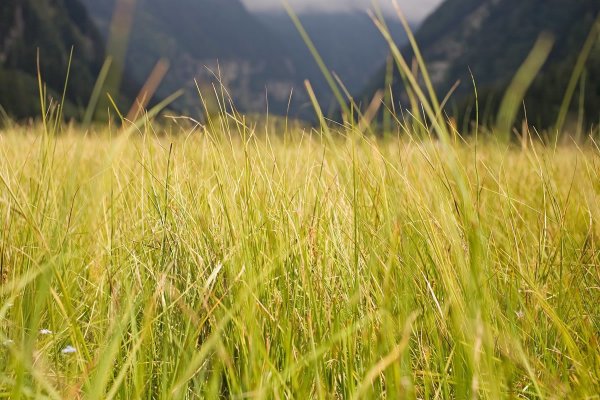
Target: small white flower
[(69, 350), (406, 382), (520, 314), (46, 332), (8, 342)]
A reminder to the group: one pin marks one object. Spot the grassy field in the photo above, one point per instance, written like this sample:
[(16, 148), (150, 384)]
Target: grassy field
[(232, 262)]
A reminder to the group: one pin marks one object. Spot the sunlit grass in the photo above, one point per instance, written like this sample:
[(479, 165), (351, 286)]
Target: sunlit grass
[(228, 262)]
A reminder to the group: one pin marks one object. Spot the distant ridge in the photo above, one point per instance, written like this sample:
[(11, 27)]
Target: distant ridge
[(349, 42)]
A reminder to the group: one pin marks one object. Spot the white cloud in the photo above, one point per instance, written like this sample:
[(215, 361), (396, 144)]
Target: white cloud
[(414, 9)]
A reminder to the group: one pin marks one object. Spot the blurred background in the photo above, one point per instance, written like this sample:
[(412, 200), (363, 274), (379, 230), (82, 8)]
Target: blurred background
[(149, 49)]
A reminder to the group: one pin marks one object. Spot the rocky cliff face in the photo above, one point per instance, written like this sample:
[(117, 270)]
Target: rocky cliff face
[(203, 39), (11, 29)]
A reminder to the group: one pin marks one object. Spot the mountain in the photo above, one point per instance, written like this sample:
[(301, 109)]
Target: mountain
[(349, 43), (257, 54), (53, 27), (492, 38), (201, 38)]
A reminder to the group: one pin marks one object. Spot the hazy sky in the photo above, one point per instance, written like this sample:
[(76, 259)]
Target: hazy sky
[(414, 9)]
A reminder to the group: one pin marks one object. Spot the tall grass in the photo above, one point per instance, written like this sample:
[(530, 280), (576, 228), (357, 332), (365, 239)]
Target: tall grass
[(241, 260), (225, 262)]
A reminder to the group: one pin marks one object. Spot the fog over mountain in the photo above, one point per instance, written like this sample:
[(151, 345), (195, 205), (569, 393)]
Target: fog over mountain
[(415, 10)]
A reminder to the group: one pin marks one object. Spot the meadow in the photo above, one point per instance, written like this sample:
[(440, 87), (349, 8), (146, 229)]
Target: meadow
[(268, 259), (246, 261)]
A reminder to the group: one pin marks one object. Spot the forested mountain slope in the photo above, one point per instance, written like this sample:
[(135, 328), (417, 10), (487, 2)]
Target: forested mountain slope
[(53, 27), (492, 38)]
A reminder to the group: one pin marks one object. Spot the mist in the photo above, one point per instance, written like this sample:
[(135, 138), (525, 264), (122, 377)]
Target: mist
[(414, 9)]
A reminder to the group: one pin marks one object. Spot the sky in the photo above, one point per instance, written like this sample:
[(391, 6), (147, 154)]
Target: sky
[(414, 9)]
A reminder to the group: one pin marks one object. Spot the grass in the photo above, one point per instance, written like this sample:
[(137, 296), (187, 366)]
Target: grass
[(230, 261), (270, 260)]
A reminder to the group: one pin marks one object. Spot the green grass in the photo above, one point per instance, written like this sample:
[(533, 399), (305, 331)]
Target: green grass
[(242, 263)]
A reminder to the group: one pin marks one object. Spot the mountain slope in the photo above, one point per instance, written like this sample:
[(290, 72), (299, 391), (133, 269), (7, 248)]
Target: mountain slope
[(52, 26), (349, 43), (197, 35), (256, 54), (492, 38)]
